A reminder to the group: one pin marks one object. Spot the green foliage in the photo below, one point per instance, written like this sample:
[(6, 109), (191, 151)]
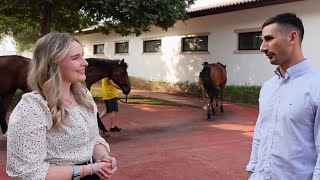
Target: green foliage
[(25, 19), (246, 95), (243, 94), (16, 98), (180, 88), (24, 37)]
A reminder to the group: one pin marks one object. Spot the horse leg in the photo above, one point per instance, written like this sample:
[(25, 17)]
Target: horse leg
[(102, 127), (221, 101), (4, 105), (208, 113), (217, 101), (210, 107), (3, 113)]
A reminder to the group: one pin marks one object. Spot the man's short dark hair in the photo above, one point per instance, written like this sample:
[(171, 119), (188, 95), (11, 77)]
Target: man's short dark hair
[(289, 21)]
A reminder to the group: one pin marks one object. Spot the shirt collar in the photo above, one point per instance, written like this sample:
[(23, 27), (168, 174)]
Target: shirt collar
[(295, 70)]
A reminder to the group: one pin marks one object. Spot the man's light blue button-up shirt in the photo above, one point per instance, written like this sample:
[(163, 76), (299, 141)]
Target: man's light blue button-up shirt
[(286, 140)]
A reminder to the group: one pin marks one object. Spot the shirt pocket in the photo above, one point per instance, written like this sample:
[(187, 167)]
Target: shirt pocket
[(298, 110)]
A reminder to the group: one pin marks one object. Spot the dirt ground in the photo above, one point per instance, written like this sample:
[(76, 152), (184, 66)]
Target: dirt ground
[(166, 142)]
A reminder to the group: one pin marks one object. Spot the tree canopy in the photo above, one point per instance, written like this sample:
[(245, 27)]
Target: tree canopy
[(27, 20)]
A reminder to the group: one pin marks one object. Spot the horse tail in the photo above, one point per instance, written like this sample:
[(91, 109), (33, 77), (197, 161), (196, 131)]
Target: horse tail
[(207, 82)]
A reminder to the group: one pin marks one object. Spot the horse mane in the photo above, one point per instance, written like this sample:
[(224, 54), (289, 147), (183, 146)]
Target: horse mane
[(104, 62), (100, 61), (224, 66), (15, 57), (207, 82)]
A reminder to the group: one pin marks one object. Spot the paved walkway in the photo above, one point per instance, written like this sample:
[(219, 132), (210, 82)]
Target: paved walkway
[(177, 143)]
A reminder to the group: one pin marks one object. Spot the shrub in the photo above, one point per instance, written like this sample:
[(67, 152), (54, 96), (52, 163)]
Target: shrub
[(180, 88), (243, 94), (236, 94)]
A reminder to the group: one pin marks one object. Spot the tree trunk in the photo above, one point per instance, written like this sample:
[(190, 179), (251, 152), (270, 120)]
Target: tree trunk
[(45, 19)]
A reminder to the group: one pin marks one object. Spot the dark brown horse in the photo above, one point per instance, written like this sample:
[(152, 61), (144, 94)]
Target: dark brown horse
[(13, 76), (116, 70), (214, 79)]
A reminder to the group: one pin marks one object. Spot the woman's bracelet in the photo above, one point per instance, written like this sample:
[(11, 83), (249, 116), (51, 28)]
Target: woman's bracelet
[(91, 169), (82, 171), (91, 166)]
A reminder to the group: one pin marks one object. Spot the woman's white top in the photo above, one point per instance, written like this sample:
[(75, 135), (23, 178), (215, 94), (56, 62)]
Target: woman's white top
[(33, 144)]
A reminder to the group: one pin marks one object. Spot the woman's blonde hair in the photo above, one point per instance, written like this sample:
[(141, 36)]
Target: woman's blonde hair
[(45, 75)]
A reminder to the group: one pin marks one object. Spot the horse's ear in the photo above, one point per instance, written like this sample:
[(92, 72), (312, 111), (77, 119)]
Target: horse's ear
[(122, 61)]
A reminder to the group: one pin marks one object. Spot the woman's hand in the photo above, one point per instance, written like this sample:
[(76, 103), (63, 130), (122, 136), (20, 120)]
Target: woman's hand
[(107, 166)]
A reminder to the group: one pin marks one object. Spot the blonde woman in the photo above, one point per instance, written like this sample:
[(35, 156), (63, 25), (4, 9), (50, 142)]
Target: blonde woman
[(53, 132)]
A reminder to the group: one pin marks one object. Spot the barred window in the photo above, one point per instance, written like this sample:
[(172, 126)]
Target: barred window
[(152, 46), (98, 49), (193, 44), (122, 47), (249, 40)]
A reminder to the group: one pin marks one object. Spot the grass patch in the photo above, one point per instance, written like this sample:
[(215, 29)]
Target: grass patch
[(96, 93), (147, 100), (132, 99), (15, 99), (180, 88), (242, 95)]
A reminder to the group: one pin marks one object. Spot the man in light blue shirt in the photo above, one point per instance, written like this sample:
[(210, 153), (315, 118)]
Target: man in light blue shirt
[(286, 140)]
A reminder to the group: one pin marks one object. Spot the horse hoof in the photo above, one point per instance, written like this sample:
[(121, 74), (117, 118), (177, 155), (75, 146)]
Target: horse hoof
[(5, 135), (210, 118)]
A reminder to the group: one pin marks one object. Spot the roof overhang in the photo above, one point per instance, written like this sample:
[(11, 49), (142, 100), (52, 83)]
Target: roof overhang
[(233, 5), (216, 8)]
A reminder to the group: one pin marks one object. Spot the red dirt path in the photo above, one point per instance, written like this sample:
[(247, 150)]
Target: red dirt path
[(165, 142)]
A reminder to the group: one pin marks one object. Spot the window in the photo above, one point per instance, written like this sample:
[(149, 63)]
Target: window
[(122, 47), (249, 40), (98, 49), (193, 44), (152, 46)]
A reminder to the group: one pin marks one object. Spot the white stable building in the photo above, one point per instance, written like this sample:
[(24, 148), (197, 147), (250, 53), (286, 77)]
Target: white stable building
[(227, 32), (7, 46)]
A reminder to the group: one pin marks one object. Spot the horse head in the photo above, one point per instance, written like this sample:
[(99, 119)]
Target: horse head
[(119, 76)]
